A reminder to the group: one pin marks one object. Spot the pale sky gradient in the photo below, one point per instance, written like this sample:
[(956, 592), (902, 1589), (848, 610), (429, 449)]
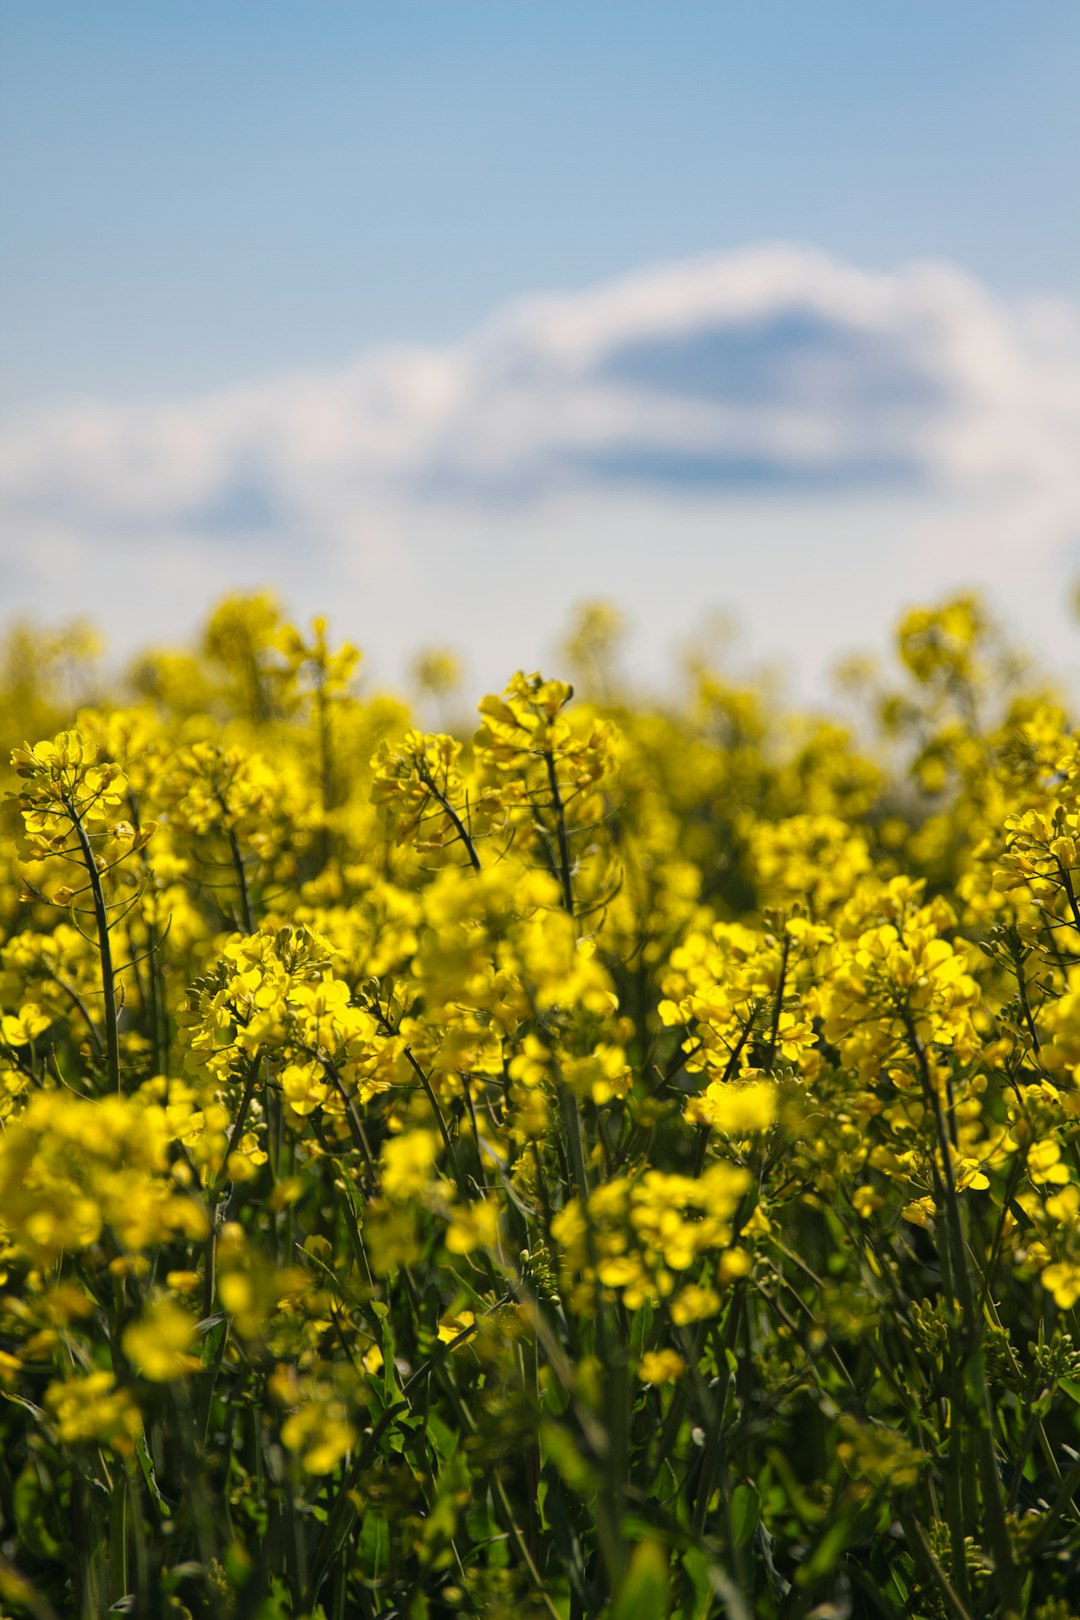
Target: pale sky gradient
[(253, 258)]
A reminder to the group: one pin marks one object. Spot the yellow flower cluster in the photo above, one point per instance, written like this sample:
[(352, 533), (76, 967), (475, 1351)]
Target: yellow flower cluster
[(427, 1158)]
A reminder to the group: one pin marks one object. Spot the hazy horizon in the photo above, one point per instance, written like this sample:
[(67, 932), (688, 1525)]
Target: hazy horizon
[(442, 322)]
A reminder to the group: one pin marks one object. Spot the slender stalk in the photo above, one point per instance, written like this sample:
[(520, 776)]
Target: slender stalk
[(774, 1033), (560, 833), (158, 1000), (1070, 893), (246, 915), (78, 1002), (931, 1570), (1025, 1003), (455, 820), (322, 722), (970, 1346), (101, 919)]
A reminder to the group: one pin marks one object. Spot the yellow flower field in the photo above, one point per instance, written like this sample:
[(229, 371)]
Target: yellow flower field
[(620, 1159)]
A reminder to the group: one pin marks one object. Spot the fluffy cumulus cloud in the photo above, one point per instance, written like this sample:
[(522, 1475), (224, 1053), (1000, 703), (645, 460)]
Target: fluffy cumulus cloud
[(727, 392)]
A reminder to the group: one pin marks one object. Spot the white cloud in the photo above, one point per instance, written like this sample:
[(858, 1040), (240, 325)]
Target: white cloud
[(740, 391)]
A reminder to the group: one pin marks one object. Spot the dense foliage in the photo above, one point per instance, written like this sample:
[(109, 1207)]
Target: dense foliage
[(623, 1162)]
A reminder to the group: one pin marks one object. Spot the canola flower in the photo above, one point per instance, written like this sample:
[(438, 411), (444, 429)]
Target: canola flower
[(618, 1160)]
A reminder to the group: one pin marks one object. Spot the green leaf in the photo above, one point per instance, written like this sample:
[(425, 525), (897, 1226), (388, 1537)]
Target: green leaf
[(640, 1331), (645, 1591), (567, 1542), (745, 1513), (444, 1441), (31, 1503), (147, 1466), (558, 1447), (834, 1540), (374, 1545)]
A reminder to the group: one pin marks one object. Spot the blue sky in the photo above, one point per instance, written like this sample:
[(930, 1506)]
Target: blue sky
[(197, 193), (426, 311)]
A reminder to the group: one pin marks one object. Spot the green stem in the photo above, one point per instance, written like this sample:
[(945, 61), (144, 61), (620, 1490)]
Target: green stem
[(970, 1347), (241, 880), (322, 711), (455, 820), (931, 1570), (560, 833), (774, 1033), (101, 918)]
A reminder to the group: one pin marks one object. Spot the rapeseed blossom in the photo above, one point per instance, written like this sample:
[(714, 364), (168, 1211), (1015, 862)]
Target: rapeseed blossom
[(440, 1168)]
